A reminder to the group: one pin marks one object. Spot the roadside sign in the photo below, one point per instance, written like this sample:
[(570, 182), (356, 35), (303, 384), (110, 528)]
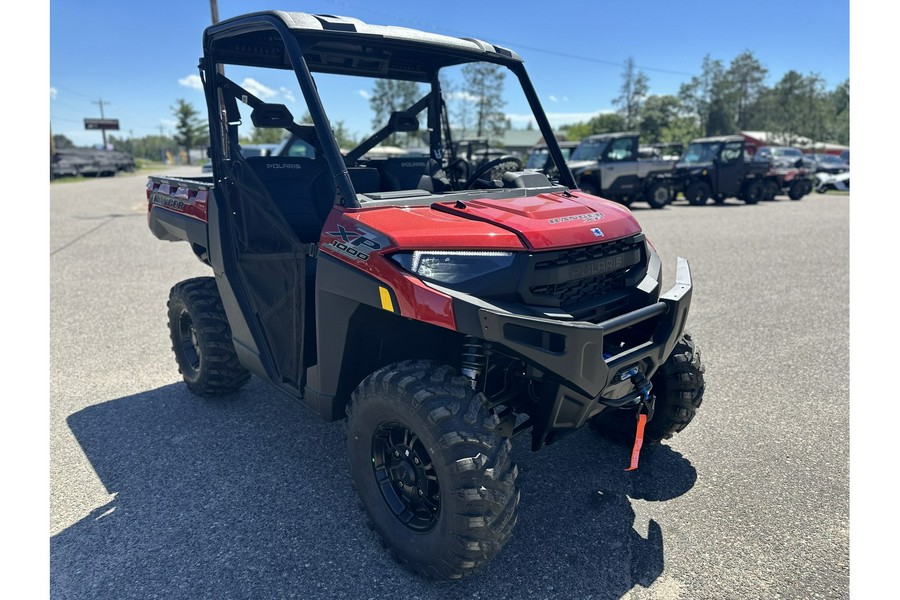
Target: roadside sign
[(111, 124)]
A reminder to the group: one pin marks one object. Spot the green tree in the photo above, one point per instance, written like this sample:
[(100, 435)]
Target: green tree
[(484, 84), (746, 83), (263, 135), (838, 109), (797, 107), (706, 98), (390, 96), (632, 94), (657, 115), (602, 123), (345, 139), (191, 130), (151, 147), (61, 142)]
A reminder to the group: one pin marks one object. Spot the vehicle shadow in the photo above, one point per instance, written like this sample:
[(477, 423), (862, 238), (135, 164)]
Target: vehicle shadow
[(250, 497)]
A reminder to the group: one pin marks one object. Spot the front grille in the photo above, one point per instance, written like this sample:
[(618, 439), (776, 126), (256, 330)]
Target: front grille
[(587, 253), (573, 292), (576, 276)]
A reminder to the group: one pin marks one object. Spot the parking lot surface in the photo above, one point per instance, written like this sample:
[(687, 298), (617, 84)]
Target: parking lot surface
[(158, 494)]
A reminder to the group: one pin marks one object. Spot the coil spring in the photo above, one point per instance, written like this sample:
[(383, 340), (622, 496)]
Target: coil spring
[(473, 361)]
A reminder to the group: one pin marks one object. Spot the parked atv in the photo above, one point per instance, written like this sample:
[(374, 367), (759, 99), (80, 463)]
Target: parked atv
[(439, 315), (789, 171), (718, 168), (609, 165)]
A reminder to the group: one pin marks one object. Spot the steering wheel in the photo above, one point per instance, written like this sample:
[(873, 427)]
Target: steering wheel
[(491, 164), (459, 169)]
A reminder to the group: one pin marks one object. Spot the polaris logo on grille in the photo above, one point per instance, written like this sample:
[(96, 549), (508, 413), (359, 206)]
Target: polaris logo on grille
[(597, 232), (597, 267)]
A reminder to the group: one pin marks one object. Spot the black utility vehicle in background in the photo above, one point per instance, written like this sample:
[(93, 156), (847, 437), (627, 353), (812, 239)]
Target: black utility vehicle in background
[(718, 168)]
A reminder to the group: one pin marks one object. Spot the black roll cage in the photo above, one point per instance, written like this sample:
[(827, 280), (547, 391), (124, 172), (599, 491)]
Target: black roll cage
[(290, 54)]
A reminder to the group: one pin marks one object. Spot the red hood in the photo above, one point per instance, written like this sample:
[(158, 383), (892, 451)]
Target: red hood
[(551, 220), (539, 222)]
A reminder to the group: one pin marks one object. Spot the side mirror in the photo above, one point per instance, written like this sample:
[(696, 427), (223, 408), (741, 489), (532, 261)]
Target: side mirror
[(403, 121), (271, 116)]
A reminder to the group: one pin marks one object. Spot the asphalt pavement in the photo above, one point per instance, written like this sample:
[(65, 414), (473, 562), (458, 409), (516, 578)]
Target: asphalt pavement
[(155, 493)]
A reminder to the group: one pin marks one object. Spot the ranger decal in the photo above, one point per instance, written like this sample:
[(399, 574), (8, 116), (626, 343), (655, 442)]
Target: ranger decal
[(587, 218)]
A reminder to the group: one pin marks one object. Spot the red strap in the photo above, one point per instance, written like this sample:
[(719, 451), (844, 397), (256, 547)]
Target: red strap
[(638, 442)]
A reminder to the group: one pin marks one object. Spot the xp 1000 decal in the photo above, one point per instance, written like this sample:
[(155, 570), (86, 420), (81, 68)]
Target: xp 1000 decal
[(355, 243)]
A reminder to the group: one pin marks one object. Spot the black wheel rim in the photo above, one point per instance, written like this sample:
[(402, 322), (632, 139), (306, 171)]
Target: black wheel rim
[(406, 476), (190, 345)]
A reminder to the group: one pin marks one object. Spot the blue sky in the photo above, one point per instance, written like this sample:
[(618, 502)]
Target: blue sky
[(139, 57)]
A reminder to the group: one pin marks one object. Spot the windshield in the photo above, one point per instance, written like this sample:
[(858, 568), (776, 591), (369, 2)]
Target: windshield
[(701, 152), (453, 123), (786, 153), (537, 158), (589, 150)]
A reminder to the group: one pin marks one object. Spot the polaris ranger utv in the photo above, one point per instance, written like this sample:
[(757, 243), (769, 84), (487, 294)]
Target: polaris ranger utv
[(440, 316)]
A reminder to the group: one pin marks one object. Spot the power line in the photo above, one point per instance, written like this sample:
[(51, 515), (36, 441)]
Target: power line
[(423, 25)]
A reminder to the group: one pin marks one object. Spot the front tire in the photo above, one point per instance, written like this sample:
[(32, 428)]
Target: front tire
[(201, 339), (432, 470), (678, 386), (797, 190), (697, 193)]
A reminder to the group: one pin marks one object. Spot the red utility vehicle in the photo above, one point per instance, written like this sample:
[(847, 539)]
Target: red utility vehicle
[(439, 315)]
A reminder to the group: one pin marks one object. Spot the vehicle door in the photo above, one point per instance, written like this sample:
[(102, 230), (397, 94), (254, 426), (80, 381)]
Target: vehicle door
[(730, 168), (620, 176), (263, 250)]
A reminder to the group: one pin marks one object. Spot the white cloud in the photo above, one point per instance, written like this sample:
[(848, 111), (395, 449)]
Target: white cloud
[(191, 81), (464, 96), (553, 98), (288, 94), (53, 93), (258, 89), (364, 94)]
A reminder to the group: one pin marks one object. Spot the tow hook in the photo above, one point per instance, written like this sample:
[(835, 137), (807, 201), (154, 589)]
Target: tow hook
[(640, 397), (644, 386)]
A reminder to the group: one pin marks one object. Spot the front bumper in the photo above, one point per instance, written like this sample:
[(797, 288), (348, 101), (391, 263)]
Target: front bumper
[(573, 352), (586, 367)]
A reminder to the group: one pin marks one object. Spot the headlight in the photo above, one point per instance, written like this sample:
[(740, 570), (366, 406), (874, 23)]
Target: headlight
[(453, 266)]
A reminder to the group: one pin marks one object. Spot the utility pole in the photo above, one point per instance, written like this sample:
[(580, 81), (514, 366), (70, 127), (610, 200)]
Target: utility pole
[(214, 7), (101, 103)]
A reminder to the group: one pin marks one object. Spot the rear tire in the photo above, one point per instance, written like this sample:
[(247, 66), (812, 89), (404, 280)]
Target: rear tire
[(697, 193), (797, 190), (201, 339), (752, 192), (678, 386), (431, 468), (770, 190)]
